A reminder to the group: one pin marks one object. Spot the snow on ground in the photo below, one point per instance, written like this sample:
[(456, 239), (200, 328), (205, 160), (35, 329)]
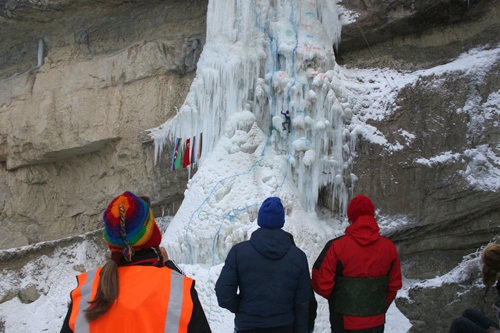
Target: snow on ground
[(54, 277)]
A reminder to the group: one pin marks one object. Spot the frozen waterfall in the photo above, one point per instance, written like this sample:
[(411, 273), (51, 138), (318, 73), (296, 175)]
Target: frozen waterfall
[(261, 58)]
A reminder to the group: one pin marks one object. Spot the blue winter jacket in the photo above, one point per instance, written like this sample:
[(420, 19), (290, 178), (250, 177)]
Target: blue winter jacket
[(273, 280)]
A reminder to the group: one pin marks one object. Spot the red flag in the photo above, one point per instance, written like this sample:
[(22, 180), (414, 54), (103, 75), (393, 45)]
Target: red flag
[(187, 154)]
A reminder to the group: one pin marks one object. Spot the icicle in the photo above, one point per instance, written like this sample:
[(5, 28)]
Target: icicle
[(40, 53)]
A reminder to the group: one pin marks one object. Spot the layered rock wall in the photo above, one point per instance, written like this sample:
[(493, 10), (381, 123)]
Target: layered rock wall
[(446, 210), (72, 131), (430, 117)]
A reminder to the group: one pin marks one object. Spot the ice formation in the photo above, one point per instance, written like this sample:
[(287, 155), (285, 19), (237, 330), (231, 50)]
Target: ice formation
[(262, 58)]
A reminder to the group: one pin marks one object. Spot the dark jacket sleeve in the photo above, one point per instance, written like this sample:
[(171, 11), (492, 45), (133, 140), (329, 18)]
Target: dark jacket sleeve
[(302, 298), (198, 322), (313, 307), (301, 311), (395, 280), (65, 328), (226, 286), (324, 271)]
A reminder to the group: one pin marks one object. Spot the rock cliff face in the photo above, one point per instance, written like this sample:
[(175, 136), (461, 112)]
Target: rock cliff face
[(81, 82), (446, 211), (412, 34), (79, 86)]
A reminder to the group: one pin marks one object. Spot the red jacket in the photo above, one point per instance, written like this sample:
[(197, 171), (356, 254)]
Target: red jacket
[(363, 253)]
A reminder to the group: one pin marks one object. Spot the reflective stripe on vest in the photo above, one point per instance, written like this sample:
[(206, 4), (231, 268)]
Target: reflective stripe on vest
[(77, 321), (150, 300)]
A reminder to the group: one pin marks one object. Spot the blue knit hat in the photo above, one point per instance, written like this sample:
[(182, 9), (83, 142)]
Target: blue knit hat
[(271, 214)]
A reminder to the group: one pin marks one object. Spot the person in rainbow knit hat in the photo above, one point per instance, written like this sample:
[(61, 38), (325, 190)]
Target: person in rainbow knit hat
[(129, 225), (139, 289)]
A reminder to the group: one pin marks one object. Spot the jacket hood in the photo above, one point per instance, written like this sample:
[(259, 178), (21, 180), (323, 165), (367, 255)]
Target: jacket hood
[(271, 243), (360, 205), (364, 231)]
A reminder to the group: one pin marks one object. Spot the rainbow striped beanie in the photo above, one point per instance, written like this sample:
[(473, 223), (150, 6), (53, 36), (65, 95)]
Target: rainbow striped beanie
[(129, 225)]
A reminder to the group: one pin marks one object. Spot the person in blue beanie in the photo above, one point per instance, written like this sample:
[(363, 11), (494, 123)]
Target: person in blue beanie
[(265, 281)]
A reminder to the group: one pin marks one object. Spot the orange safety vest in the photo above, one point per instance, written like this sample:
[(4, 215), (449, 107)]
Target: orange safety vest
[(150, 300)]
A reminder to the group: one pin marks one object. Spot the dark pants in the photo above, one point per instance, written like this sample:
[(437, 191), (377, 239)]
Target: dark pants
[(472, 321), (236, 331), (285, 124), (378, 329), (266, 330)]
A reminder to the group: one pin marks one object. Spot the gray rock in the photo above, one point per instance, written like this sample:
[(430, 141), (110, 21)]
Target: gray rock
[(29, 294), (434, 308), (7, 296)]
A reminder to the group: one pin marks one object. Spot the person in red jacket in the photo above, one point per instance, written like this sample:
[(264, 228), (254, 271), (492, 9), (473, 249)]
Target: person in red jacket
[(358, 273)]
